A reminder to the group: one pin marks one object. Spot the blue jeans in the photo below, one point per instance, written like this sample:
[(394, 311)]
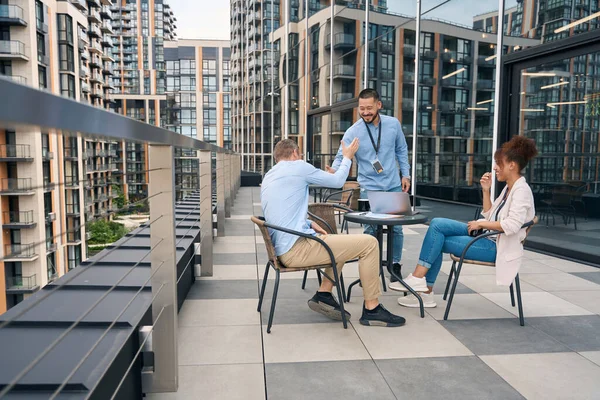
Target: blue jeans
[(449, 236), (398, 235)]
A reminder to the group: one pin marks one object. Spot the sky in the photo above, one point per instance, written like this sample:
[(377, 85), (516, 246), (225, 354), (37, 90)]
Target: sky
[(209, 19)]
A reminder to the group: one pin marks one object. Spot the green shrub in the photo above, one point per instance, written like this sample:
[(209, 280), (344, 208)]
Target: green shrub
[(105, 232)]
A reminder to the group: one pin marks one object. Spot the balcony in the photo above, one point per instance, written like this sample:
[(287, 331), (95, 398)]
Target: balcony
[(408, 77), (47, 155), (338, 127), (20, 252), (342, 71), (16, 187), (429, 81), (342, 41), (339, 97), (429, 54), (483, 61), (105, 12), (96, 61), (106, 27), (12, 15), (12, 49), (409, 50), (408, 104), (80, 4), (452, 131), (21, 284), (94, 31), (15, 153), (17, 220), (485, 84), (450, 107)]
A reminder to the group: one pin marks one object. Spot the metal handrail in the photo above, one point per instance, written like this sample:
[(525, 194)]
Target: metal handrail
[(68, 115)]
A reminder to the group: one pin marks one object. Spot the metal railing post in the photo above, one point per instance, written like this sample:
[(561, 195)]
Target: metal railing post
[(206, 219), (221, 194), (161, 191), (228, 184)]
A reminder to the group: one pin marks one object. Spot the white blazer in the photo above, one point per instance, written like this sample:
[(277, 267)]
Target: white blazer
[(518, 210)]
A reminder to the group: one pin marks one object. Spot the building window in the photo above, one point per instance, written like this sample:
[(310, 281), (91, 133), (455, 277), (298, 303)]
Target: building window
[(209, 67), (187, 67), (43, 78), (67, 85), (65, 28), (67, 57)]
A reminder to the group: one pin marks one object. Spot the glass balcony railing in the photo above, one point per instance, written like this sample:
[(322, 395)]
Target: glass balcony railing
[(15, 185), (11, 12), (17, 218), (15, 151), (12, 48), (19, 251), (17, 283)]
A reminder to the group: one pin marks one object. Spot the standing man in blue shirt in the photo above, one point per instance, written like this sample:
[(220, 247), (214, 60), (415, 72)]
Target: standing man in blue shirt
[(284, 200), (382, 158)]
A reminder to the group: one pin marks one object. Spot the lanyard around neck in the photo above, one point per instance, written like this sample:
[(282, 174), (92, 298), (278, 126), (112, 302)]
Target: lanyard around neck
[(375, 147)]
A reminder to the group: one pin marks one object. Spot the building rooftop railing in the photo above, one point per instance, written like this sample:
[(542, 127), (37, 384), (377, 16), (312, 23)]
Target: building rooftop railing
[(110, 322)]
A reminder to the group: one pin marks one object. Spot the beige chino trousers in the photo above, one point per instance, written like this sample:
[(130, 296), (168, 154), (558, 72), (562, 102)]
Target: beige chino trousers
[(307, 252)]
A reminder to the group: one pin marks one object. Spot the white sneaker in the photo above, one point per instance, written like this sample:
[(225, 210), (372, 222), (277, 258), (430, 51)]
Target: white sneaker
[(417, 284), (412, 302)]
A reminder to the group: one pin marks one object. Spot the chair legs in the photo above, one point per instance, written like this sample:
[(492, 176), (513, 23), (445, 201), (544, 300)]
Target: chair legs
[(456, 271), (454, 283), (452, 270), (263, 287), (304, 279), (519, 301), (275, 289), (512, 296)]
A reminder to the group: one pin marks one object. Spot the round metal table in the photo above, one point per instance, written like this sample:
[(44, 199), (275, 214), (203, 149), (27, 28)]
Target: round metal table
[(362, 218)]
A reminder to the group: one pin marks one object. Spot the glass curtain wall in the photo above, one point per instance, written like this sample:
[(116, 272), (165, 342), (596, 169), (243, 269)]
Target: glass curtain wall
[(559, 107)]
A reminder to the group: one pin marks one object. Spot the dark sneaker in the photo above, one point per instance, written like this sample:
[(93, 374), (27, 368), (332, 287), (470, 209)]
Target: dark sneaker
[(396, 268), (325, 303), (380, 317)]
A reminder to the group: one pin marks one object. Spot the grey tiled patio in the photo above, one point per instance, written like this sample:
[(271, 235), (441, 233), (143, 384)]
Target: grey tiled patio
[(481, 352)]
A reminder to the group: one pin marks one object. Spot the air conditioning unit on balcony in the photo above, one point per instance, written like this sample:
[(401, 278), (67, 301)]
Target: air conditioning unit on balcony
[(51, 217)]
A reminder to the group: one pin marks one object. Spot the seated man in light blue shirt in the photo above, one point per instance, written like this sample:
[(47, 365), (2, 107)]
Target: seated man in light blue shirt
[(381, 140), (284, 198)]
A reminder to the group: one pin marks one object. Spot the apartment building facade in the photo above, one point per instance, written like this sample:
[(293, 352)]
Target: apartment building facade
[(541, 19), (51, 184), (198, 100), (141, 28), (315, 103)]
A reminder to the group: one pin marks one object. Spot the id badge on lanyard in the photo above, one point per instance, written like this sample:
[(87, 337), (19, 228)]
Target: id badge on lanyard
[(377, 166)]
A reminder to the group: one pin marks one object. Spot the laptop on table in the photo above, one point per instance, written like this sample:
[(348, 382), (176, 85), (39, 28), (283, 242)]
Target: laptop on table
[(396, 203)]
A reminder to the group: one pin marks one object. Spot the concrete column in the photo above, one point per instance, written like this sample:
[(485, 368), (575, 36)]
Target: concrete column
[(206, 221), (161, 190), (221, 194)]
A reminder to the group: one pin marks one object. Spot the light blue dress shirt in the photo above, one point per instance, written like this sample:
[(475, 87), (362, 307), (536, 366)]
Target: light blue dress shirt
[(284, 197), (393, 151)]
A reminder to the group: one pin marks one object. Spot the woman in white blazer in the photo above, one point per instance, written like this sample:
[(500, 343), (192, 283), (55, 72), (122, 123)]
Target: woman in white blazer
[(507, 214)]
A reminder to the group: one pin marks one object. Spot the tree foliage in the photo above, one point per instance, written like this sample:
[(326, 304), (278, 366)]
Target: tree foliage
[(105, 232)]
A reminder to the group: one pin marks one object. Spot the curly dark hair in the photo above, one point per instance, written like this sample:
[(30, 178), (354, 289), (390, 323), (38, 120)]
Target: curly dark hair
[(518, 149)]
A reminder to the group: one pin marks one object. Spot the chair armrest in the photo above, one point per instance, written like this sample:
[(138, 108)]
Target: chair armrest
[(307, 236), (492, 233), (336, 193), (344, 208), (319, 219)]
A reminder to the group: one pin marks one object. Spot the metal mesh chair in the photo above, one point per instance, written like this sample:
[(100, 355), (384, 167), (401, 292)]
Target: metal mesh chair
[(455, 272), (280, 268)]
